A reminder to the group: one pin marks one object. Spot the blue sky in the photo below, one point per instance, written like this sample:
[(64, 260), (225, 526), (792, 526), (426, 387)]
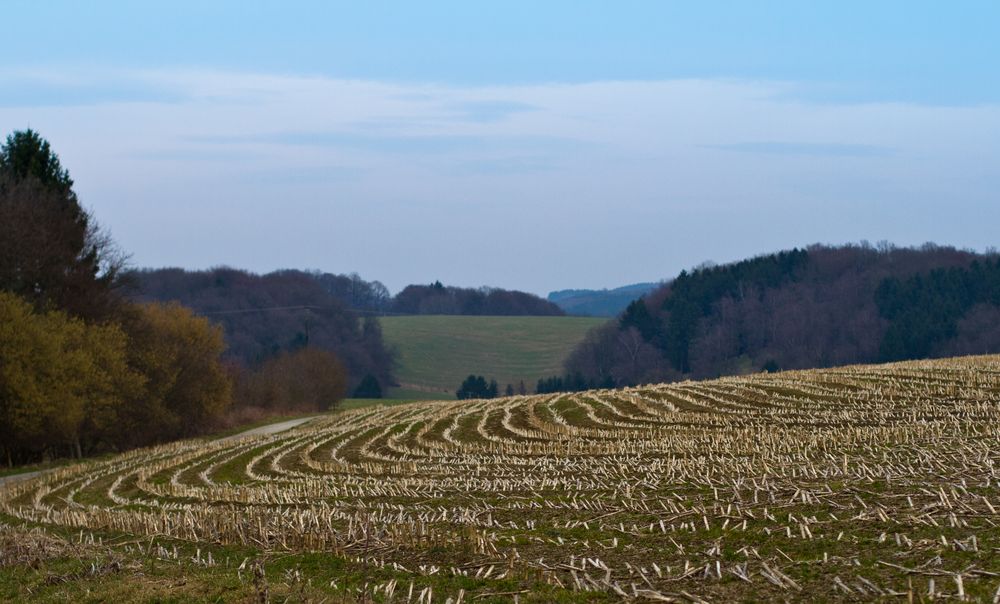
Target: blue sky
[(538, 145)]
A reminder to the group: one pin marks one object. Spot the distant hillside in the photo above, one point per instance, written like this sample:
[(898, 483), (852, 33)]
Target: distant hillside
[(438, 299), (599, 302), (264, 315), (437, 352), (372, 297), (816, 307)]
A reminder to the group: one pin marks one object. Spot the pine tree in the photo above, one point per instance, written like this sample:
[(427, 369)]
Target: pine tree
[(51, 251)]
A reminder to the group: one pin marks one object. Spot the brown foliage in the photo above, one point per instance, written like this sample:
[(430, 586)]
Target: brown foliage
[(63, 383), (310, 379), (187, 389), (267, 315)]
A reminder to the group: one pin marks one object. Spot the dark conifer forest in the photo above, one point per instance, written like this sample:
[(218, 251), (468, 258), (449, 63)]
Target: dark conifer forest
[(816, 307)]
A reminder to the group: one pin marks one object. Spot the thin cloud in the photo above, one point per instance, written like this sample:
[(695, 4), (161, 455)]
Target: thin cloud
[(571, 182), (490, 111), (809, 149), (58, 89), (427, 144), (506, 166)]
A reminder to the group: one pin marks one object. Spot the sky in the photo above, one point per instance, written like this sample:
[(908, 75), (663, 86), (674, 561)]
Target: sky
[(529, 145)]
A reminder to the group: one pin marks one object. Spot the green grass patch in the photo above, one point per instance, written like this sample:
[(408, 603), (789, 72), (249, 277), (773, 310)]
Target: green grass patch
[(437, 352)]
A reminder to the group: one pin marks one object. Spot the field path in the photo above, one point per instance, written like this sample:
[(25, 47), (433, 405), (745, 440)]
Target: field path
[(268, 429), (18, 477)]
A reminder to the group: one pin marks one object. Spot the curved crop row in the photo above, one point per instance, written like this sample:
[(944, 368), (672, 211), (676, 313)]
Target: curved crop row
[(836, 484)]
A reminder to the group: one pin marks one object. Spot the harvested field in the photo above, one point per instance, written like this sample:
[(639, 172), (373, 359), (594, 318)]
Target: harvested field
[(857, 483)]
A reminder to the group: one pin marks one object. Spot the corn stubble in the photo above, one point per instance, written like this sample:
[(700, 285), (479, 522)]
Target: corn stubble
[(857, 483)]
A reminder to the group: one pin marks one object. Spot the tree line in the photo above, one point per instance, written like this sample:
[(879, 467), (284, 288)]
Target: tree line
[(373, 297), (263, 316), (930, 313), (439, 299), (85, 367), (821, 306), (476, 386)]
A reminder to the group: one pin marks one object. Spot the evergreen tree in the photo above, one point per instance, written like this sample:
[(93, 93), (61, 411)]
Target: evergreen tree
[(51, 251), (475, 386), (26, 154), (368, 388), (637, 315)]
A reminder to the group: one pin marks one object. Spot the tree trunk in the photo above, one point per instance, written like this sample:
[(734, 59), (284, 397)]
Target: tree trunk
[(76, 446)]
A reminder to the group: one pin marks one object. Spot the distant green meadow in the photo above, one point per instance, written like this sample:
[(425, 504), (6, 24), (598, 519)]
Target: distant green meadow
[(436, 352)]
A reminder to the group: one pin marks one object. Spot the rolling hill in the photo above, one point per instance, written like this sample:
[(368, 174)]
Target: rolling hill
[(599, 302), (820, 306), (437, 352), (856, 484)]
